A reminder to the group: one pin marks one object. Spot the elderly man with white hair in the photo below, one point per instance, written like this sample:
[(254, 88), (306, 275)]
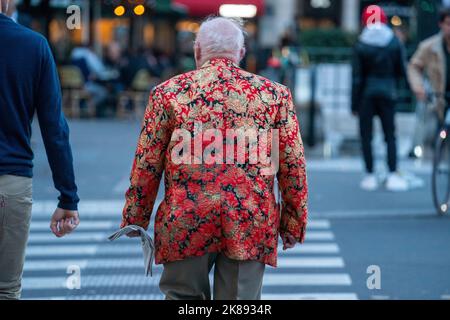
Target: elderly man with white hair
[(219, 207)]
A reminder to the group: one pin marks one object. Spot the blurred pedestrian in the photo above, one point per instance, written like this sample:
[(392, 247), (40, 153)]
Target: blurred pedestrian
[(216, 213), (139, 60), (30, 84), (114, 61), (430, 67), (113, 55), (378, 64), (95, 73)]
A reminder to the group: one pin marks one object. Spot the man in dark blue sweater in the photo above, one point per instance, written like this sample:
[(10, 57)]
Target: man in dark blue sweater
[(29, 84)]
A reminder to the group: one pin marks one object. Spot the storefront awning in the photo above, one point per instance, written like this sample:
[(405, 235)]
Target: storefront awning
[(169, 7), (202, 8)]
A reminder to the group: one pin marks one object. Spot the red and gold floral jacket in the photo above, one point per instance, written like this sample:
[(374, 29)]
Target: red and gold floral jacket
[(221, 205)]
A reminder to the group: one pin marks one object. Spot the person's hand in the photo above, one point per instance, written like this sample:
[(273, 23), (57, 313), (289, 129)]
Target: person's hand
[(133, 234), (355, 113), (289, 241), (64, 222), (420, 94)]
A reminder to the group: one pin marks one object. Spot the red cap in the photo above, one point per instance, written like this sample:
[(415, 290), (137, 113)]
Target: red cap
[(373, 14), (274, 62)]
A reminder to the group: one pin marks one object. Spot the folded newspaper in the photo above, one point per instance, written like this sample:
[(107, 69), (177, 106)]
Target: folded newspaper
[(148, 246)]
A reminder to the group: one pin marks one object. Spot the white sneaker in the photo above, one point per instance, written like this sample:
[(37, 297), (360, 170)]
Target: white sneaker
[(396, 183), (369, 183)]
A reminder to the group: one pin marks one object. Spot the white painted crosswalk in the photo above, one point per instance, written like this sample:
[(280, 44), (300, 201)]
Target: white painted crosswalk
[(314, 270), (91, 236), (99, 263)]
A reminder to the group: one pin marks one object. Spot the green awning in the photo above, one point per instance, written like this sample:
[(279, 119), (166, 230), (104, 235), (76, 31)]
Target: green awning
[(167, 7)]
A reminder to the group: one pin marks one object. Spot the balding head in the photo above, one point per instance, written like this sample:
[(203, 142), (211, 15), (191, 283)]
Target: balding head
[(220, 38)]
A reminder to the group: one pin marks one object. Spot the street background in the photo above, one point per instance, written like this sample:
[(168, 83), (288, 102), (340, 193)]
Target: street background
[(122, 49)]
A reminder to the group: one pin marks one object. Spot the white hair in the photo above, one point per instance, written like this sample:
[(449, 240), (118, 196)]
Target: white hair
[(220, 36)]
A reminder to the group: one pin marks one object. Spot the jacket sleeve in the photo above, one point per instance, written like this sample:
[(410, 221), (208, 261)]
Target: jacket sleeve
[(55, 131), (292, 171), (416, 68), (148, 164), (357, 80)]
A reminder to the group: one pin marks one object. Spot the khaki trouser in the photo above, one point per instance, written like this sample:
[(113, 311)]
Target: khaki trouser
[(233, 280), (15, 216)]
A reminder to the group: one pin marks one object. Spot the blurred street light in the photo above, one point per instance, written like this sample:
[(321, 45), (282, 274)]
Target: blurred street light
[(238, 10), (139, 10), (119, 11), (396, 21)]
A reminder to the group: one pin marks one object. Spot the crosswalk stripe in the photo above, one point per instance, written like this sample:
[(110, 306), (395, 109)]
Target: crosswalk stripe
[(294, 262), (51, 265), (86, 208), (318, 224), (299, 279), (127, 248), (133, 297), (315, 248), (75, 237), (52, 283), (319, 236), (265, 296), (89, 236), (309, 296), (63, 250), (129, 281), (283, 263), (88, 225)]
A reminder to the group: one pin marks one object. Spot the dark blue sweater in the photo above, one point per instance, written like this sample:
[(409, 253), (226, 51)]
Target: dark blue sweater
[(29, 84)]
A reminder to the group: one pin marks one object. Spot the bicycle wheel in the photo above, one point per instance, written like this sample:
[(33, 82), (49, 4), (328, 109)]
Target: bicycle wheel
[(441, 172)]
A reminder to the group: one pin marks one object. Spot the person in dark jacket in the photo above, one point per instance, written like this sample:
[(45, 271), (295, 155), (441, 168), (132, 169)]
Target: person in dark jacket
[(29, 84), (378, 64)]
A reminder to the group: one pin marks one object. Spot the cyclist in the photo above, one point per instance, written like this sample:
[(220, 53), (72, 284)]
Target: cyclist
[(431, 65)]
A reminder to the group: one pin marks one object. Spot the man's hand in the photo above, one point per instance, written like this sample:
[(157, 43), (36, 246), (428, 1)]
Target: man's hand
[(355, 113), (134, 234), (64, 222), (289, 241)]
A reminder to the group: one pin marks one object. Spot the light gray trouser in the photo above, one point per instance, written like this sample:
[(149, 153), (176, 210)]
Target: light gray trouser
[(233, 280), (15, 216)]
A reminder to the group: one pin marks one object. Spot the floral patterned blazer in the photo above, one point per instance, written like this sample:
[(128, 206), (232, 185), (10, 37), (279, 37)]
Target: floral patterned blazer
[(214, 203)]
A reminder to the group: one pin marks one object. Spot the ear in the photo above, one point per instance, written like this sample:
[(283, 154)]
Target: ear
[(242, 54), (197, 52)]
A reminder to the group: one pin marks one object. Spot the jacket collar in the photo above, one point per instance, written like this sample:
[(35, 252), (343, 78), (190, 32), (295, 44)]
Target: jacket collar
[(219, 62)]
